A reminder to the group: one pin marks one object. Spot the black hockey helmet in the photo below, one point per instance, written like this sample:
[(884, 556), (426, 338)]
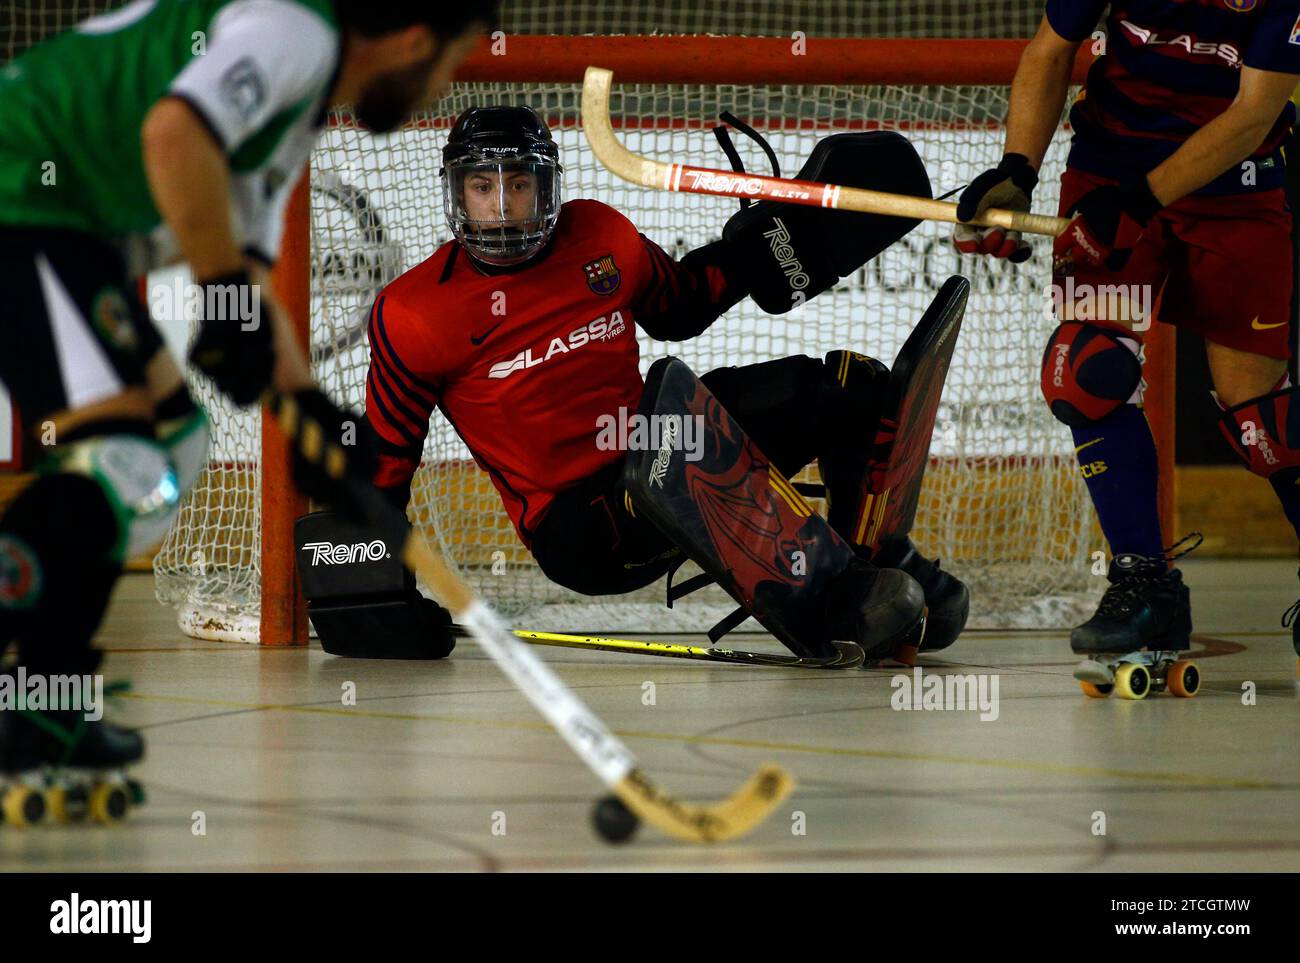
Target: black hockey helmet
[(501, 183)]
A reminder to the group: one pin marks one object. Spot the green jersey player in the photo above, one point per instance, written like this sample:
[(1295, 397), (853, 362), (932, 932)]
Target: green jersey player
[(166, 129)]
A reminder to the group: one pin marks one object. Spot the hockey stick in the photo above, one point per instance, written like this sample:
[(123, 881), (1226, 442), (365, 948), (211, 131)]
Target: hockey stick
[(848, 656), (586, 735), (702, 180)]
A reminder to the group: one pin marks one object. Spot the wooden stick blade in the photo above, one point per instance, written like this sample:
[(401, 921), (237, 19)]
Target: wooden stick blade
[(730, 819)]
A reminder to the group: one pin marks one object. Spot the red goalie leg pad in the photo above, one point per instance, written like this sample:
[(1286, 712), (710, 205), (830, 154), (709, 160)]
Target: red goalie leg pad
[(1090, 369)]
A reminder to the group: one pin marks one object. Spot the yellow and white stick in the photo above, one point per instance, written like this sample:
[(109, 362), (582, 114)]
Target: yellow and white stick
[(702, 180)]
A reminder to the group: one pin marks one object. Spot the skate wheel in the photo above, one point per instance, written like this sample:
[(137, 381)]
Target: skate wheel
[(1132, 681), (108, 803), (1094, 691), (57, 801), (23, 806), (1184, 679)]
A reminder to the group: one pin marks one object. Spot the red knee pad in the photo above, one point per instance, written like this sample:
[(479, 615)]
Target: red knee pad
[(1089, 371), (1265, 431)]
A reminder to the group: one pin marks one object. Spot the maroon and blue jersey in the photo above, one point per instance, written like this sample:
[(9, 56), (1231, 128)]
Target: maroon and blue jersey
[(1170, 67)]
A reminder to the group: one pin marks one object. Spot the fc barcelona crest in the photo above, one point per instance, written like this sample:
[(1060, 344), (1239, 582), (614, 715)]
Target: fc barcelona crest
[(602, 275), (1241, 6)]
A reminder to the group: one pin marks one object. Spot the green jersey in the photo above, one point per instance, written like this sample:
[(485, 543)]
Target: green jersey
[(257, 72)]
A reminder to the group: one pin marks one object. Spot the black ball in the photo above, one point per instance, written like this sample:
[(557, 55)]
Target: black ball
[(614, 822)]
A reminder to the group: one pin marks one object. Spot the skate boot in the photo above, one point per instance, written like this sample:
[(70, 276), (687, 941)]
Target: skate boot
[(1291, 618), (58, 766), (947, 600), (881, 609), (1143, 622)]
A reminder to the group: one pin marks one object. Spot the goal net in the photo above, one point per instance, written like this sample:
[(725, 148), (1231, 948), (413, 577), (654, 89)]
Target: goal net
[(1003, 505)]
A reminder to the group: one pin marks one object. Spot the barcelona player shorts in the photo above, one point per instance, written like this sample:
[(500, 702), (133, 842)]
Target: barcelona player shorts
[(1219, 266)]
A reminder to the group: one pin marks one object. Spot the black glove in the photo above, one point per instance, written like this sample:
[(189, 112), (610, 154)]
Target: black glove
[(1106, 224), (234, 346), (1009, 186), (322, 428), (436, 622)]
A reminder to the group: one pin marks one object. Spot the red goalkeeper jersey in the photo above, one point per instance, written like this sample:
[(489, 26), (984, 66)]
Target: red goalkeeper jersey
[(524, 363)]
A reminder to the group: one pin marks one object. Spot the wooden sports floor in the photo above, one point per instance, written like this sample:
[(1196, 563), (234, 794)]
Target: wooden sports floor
[(255, 762)]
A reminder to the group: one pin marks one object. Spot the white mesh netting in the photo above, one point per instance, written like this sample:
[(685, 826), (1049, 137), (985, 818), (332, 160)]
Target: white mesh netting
[(25, 22), (1003, 504)]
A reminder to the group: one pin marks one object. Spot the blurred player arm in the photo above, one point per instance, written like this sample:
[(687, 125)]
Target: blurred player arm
[(1228, 139), (189, 176), (248, 83), (400, 396), (678, 300)]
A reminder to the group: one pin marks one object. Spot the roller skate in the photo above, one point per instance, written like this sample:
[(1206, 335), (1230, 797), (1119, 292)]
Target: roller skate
[(58, 767), (1142, 626), (1291, 619), (947, 600)]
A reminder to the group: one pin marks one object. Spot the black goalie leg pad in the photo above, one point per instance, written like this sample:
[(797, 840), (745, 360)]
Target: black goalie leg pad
[(795, 252), (874, 489), (890, 485), (849, 410), (361, 599), (709, 489), (947, 599)]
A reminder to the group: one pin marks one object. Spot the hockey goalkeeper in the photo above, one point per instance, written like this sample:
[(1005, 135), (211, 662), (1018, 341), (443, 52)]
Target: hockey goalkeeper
[(528, 385)]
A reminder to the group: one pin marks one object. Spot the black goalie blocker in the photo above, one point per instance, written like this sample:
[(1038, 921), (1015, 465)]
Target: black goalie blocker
[(361, 599), (717, 497), (793, 252)]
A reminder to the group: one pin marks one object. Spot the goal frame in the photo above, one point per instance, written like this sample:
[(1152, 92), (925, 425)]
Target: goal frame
[(666, 60)]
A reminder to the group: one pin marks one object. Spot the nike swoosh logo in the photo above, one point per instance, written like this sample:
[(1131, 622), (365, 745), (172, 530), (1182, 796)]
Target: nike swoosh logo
[(1264, 327), (486, 334), (1087, 443)]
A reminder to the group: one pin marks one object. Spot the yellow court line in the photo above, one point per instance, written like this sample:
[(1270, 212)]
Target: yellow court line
[(340, 711), (1177, 778)]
